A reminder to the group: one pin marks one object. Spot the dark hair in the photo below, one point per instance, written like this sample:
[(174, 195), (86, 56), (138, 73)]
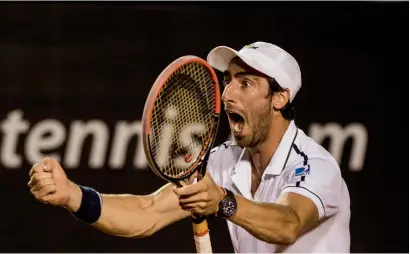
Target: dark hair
[(288, 111)]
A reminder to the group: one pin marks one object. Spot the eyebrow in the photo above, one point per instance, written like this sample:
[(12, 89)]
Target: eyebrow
[(240, 74)]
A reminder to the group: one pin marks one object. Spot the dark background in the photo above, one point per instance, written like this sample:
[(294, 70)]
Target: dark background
[(82, 61)]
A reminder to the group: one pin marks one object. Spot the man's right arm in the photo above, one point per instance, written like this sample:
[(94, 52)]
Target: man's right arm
[(135, 215), (121, 215)]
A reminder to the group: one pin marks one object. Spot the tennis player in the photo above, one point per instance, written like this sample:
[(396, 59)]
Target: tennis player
[(278, 190)]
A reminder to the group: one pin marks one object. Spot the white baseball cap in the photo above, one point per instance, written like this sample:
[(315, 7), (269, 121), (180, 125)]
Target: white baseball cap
[(264, 57)]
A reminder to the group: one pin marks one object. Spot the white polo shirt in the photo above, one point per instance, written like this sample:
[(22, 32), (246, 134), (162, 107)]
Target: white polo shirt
[(299, 165)]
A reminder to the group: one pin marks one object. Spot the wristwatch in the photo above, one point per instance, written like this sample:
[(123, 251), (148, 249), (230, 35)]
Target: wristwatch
[(228, 205)]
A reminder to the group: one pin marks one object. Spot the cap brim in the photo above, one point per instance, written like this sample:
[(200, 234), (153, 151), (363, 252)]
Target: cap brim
[(221, 56)]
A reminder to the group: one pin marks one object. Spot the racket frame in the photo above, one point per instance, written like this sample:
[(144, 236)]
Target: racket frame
[(201, 162)]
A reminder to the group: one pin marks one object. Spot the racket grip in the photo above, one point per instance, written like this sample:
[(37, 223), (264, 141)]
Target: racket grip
[(201, 236)]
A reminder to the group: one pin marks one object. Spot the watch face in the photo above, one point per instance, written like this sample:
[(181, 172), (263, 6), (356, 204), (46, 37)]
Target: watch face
[(229, 207)]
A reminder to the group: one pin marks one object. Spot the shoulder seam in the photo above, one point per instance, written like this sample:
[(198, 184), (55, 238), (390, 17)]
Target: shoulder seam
[(225, 144)]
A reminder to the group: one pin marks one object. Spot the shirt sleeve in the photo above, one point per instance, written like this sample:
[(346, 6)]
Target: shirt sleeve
[(221, 160), (320, 180), (214, 162)]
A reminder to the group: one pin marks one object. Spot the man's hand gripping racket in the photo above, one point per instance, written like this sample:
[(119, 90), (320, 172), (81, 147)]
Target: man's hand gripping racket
[(180, 122)]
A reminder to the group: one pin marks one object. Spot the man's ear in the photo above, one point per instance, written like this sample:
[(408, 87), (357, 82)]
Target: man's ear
[(280, 99)]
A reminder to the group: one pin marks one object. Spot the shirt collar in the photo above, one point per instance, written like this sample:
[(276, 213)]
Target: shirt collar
[(282, 153), (241, 175)]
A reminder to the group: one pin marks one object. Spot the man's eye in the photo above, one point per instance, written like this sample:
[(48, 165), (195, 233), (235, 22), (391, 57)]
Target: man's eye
[(246, 83), (226, 82)]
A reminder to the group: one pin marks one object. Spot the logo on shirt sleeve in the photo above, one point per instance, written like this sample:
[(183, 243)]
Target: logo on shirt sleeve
[(302, 171)]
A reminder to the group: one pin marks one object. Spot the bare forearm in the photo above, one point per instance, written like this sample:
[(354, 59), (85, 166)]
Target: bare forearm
[(272, 223), (136, 216), (127, 216)]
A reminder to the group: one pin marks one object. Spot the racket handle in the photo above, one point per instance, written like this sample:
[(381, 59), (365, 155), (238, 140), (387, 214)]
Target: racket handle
[(201, 236)]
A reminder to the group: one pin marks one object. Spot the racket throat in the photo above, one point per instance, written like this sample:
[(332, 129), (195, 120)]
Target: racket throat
[(198, 219)]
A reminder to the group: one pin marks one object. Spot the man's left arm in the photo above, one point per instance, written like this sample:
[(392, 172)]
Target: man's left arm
[(305, 199), (276, 223)]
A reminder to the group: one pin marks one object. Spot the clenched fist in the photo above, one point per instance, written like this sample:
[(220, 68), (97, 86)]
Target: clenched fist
[(201, 198), (49, 184)]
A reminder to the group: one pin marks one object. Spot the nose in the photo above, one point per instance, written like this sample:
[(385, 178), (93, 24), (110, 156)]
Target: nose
[(228, 94)]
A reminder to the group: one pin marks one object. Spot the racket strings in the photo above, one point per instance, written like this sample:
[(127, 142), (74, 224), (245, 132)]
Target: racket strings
[(182, 119)]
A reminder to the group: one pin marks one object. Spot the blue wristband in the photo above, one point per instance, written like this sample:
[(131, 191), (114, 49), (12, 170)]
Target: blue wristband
[(91, 205)]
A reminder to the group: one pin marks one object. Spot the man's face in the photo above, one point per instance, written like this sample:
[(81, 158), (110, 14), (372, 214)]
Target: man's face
[(248, 104)]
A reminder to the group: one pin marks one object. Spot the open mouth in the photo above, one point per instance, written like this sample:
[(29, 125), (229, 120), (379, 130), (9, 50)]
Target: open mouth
[(236, 121)]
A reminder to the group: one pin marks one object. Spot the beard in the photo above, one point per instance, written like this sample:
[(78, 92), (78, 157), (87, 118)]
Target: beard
[(259, 124)]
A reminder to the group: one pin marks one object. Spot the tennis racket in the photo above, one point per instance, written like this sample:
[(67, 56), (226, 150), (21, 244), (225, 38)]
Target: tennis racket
[(180, 122)]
